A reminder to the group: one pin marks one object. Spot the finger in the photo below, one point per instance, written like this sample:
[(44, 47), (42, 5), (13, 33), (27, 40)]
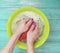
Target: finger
[(29, 23), (36, 28), (26, 20), (32, 27)]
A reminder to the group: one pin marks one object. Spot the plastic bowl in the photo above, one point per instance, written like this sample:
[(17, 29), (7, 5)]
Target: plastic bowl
[(39, 12)]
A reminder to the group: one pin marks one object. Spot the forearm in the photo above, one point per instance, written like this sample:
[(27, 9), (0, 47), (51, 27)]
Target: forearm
[(30, 48), (10, 45)]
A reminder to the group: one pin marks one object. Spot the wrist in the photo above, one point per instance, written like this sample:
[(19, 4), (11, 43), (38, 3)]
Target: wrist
[(30, 43), (30, 48)]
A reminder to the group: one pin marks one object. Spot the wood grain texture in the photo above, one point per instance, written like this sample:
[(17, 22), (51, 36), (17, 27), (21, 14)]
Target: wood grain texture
[(52, 10)]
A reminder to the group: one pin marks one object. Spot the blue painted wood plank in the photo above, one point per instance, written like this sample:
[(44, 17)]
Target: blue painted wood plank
[(52, 10), (37, 3)]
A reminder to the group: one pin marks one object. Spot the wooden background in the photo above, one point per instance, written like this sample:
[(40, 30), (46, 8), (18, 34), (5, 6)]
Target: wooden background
[(52, 10)]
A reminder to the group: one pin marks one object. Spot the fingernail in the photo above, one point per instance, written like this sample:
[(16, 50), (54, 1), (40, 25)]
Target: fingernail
[(34, 23), (32, 18)]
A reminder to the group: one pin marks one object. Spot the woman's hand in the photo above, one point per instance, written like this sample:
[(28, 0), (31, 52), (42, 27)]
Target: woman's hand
[(24, 25), (32, 34)]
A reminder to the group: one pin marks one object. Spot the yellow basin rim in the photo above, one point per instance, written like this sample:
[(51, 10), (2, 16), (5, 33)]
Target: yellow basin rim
[(39, 12)]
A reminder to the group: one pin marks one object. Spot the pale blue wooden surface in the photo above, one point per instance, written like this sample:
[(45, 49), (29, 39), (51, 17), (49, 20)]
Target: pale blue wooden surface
[(52, 10)]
